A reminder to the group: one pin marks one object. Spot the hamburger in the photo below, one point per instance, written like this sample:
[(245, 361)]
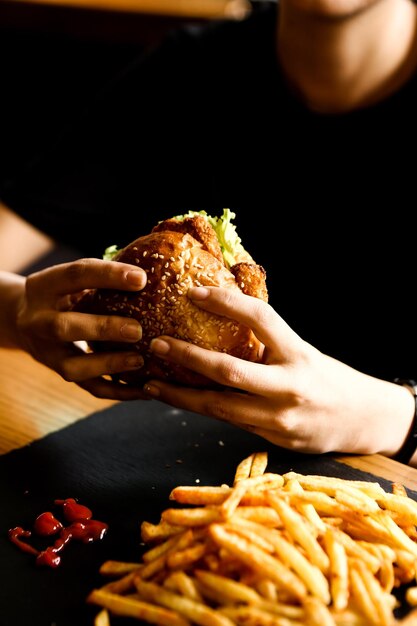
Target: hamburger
[(188, 250)]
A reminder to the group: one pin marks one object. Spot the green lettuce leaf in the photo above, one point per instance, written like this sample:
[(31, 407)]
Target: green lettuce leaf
[(229, 240)]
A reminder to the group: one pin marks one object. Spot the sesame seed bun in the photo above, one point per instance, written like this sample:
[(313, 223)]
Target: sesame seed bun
[(174, 262)]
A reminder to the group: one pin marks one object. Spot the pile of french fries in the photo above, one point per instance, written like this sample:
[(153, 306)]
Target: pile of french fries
[(271, 550)]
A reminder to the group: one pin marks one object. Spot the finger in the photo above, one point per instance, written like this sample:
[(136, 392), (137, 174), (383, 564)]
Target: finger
[(226, 405), (222, 405), (75, 276), (88, 366), (228, 371), (102, 388), (265, 322), (276, 437), (73, 326), (241, 410)]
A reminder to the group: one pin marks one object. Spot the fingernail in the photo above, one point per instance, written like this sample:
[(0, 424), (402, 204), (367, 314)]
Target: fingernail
[(136, 278), (198, 293), (134, 361), (159, 346), (132, 331), (151, 390)]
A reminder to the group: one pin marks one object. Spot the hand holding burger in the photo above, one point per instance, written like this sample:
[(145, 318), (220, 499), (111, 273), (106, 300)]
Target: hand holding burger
[(182, 252)]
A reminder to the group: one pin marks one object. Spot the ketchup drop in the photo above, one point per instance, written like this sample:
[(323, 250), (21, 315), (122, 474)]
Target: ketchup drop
[(46, 524), (81, 528), (74, 511)]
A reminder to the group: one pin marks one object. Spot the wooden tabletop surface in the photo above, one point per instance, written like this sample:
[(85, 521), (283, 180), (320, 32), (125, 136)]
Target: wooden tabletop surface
[(204, 9), (34, 401)]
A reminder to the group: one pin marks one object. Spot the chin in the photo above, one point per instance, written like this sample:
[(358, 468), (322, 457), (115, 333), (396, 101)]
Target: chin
[(330, 9)]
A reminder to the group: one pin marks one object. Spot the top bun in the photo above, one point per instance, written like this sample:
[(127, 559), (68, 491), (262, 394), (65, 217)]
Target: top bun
[(174, 261)]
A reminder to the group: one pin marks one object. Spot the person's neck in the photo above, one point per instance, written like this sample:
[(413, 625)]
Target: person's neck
[(338, 64)]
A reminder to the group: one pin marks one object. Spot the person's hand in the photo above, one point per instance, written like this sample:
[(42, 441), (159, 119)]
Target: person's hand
[(47, 328), (297, 398)]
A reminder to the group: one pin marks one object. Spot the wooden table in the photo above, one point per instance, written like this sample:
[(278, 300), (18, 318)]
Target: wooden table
[(131, 21), (35, 401), (205, 9)]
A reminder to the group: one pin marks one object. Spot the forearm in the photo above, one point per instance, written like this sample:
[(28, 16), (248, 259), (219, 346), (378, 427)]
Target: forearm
[(20, 243), (11, 289), (393, 410), (365, 415)]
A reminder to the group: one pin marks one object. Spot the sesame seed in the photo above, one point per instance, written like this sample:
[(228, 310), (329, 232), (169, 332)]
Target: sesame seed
[(144, 253)]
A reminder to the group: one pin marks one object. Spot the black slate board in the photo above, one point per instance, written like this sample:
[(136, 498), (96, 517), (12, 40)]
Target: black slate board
[(122, 463)]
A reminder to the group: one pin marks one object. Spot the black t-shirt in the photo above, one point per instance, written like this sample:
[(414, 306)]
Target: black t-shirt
[(324, 202)]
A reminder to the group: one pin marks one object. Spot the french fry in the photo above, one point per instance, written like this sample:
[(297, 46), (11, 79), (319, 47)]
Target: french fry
[(231, 590), (102, 618), (195, 612), (361, 597), (200, 516), (329, 484), (241, 527), (131, 607), (271, 550), (267, 589), (382, 606), (156, 532), (232, 501), (399, 490), (201, 496), (162, 548), (121, 585), (253, 616), (188, 556), (411, 596), (259, 464), (118, 568), (262, 562), (300, 531), (309, 574), (355, 549), (401, 539), (400, 504), (181, 582), (317, 613), (386, 557), (261, 514), (243, 469), (339, 572)]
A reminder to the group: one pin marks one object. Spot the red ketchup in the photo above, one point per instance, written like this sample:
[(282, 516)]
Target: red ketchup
[(46, 524), (81, 528)]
